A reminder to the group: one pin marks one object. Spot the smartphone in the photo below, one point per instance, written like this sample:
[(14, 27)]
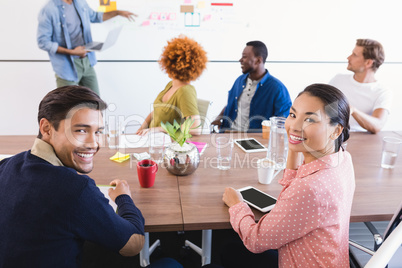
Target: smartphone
[(250, 145), (257, 199)]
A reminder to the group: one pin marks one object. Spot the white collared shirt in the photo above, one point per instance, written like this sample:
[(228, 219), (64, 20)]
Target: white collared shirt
[(242, 120)]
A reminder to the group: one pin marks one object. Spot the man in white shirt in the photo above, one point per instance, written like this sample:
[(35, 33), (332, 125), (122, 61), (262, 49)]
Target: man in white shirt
[(369, 101)]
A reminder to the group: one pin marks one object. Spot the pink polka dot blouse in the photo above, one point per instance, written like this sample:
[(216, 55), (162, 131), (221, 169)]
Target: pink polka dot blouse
[(309, 224)]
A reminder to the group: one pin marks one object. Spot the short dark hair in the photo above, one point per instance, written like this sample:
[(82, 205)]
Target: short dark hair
[(336, 107), (58, 102), (372, 50), (259, 49)]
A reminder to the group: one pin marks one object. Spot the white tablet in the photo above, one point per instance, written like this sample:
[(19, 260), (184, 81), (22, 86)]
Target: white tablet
[(257, 199), (250, 145)]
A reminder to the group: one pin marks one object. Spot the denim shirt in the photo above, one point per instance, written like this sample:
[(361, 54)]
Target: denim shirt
[(271, 98), (51, 34)]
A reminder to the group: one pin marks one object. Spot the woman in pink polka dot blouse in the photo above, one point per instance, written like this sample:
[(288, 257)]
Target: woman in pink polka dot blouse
[(310, 223)]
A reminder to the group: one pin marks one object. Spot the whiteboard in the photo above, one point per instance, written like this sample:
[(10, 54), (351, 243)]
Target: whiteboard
[(308, 42), (293, 30)]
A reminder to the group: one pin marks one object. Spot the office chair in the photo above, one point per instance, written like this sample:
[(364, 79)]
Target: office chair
[(203, 106), (383, 249), (384, 254)]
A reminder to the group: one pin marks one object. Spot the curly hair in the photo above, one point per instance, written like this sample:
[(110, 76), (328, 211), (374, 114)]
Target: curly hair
[(183, 59)]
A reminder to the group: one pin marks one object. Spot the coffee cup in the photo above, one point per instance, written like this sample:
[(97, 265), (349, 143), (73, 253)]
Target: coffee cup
[(266, 128), (266, 170), (146, 170)]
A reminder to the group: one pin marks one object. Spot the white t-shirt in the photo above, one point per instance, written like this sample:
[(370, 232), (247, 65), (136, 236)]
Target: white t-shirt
[(366, 97), (242, 121)]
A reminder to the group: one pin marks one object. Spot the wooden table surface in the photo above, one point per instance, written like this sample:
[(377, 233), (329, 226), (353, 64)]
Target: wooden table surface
[(160, 204), (378, 191), (194, 202), (201, 192)]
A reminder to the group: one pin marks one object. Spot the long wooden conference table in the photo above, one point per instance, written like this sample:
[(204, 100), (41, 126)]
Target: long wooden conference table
[(194, 202)]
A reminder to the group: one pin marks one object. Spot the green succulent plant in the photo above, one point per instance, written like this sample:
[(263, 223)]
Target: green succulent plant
[(179, 133)]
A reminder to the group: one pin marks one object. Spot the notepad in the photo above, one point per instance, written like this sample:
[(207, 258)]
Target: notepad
[(105, 191), (120, 157), (4, 156)]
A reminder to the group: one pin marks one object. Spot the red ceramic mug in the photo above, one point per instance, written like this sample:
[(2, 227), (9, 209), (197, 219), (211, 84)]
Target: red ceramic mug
[(146, 170)]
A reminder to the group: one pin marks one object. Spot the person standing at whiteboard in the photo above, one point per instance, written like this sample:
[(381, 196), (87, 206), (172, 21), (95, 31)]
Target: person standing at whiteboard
[(370, 102), (255, 96), (63, 30)]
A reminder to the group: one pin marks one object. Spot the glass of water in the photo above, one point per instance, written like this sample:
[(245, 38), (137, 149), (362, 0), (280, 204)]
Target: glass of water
[(224, 148), (113, 133), (156, 146), (390, 150)]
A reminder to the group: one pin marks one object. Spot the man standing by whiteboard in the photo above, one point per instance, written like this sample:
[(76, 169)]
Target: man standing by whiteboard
[(255, 96), (370, 102), (63, 30)]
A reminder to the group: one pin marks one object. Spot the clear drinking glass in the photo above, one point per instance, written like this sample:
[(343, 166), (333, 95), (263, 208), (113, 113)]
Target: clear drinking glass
[(224, 148), (156, 146), (113, 133), (390, 150)]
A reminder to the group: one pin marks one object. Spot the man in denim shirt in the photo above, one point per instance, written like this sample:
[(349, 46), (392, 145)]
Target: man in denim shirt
[(63, 30), (255, 96)]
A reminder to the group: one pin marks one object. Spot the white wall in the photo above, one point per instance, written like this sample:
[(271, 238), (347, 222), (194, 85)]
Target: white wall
[(308, 42)]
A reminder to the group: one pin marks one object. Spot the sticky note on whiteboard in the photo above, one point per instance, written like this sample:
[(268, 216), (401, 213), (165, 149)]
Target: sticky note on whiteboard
[(201, 4), (186, 9), (146, 23)]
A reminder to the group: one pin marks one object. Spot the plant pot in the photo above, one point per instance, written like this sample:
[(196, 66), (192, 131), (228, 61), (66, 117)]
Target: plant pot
[(181, 160)]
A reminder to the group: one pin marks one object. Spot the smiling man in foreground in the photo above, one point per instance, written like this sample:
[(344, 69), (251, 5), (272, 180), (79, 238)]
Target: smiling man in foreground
[(47, 208)]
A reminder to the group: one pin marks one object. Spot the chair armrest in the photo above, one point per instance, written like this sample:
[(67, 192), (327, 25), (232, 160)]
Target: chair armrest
[(214, 128), (376, 235), (371, 228), (384, 254), (362, 248)]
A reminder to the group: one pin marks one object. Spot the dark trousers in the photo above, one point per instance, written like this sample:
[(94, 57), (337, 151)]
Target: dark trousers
[(235, 255)]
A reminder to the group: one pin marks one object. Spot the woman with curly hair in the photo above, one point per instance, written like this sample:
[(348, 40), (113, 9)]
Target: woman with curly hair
[(184, 60)]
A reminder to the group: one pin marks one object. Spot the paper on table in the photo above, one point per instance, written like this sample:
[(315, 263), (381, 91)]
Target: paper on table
[(141, 156), (137, 141), (120, 157), (4, 156), (105, 191), (201, 146)]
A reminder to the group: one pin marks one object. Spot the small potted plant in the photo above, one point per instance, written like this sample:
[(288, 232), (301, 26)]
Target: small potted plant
[(181, 158)]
